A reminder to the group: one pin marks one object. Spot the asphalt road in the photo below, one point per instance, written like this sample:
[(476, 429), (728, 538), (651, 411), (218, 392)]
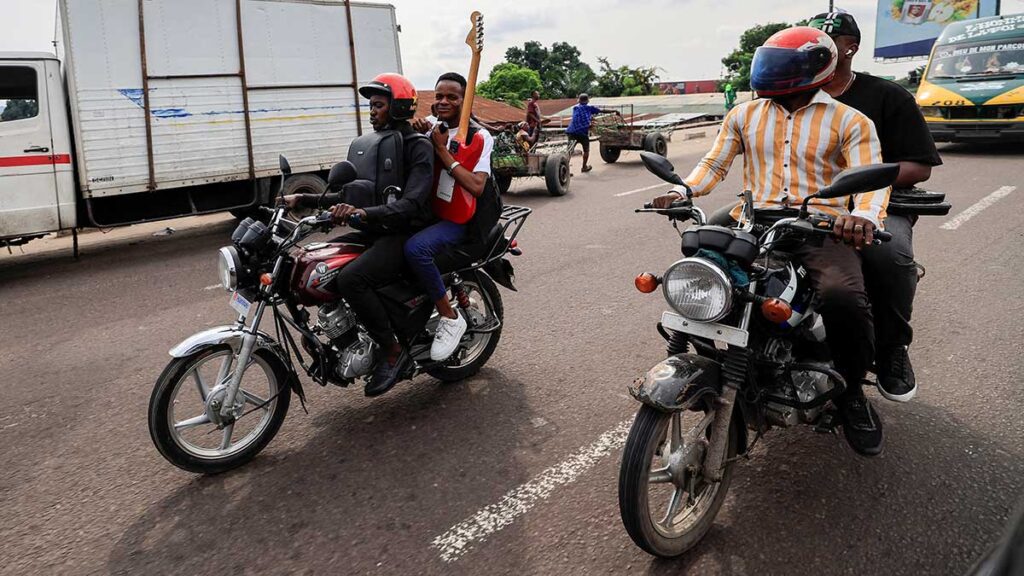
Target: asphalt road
[(527, 452)]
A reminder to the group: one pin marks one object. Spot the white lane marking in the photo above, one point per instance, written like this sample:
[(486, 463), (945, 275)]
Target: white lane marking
[(621, 194), (212, 287), (459, 539), (976, 209)]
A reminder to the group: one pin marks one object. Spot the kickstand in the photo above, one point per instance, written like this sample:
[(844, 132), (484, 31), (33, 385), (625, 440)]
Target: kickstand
[(828, 423)]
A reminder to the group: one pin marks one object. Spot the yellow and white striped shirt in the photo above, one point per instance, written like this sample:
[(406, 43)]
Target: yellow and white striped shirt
[(789, 156)]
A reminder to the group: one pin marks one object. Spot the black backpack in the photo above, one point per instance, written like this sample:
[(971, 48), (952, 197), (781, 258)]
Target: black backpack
[(379, 158)]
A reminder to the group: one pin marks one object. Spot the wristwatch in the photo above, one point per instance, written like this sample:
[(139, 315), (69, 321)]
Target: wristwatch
[(453, 166)]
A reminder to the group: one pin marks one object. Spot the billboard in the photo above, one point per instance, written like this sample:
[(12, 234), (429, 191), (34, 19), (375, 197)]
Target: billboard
[(908, 28)]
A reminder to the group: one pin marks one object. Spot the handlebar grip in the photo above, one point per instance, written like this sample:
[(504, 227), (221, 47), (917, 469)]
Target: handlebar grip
[(882, 235), (648, 206), (354, 219)]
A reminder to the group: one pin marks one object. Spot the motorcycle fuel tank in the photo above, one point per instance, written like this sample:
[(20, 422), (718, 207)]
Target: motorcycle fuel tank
[(316, 266)]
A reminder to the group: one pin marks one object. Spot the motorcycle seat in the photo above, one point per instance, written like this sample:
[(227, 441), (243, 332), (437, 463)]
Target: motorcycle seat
[(469, 252)]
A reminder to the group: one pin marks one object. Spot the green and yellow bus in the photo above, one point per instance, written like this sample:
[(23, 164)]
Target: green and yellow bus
[(973, 87)]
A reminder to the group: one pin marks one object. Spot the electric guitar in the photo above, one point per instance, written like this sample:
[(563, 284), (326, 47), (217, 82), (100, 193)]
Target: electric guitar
[(451, 202)]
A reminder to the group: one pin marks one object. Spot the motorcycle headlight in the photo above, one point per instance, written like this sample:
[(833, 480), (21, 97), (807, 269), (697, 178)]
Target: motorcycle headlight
[(698, 290), (228, 265)]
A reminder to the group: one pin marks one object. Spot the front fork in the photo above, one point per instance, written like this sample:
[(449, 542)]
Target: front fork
[(734, 375)]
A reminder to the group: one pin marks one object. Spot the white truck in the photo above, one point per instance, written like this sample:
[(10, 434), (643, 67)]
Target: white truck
[(155, 109)]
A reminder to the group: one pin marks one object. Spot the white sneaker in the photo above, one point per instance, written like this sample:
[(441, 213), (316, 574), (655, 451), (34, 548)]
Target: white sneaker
[(446, 340)]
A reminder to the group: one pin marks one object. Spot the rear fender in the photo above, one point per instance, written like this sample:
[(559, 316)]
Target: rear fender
[(501, 271)]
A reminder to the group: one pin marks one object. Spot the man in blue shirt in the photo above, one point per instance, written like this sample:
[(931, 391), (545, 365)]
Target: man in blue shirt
[(579, 128)]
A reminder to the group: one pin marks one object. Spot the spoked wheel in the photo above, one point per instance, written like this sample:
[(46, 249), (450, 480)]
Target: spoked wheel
[(666, 503), (184, 410), (485, 314)]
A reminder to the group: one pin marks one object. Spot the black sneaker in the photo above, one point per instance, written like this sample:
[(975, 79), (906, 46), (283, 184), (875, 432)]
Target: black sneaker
[(386, 375), (895, 375), (861, 426)]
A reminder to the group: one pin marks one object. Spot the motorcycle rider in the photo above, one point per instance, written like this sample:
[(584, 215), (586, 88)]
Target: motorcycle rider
[(889, 269), (794, 139), (392, 105)]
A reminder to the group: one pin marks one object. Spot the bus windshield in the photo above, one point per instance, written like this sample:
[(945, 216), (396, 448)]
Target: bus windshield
[(978, 60)]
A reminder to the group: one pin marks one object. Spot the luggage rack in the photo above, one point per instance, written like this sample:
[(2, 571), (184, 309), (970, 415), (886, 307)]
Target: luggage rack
[(512, 218)]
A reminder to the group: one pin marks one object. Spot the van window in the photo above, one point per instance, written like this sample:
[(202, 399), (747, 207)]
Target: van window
[(977, 60), (19, 93)]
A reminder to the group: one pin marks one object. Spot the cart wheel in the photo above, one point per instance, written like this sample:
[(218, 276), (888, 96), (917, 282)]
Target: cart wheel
[(557, 174), (609, 154), (655, 142), (503, 182)]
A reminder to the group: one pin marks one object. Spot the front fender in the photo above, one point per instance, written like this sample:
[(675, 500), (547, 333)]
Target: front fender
[(678, 383), (230, 335)]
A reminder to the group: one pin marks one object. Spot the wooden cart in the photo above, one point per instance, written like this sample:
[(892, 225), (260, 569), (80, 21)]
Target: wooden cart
[(615, 135), (548, 159)]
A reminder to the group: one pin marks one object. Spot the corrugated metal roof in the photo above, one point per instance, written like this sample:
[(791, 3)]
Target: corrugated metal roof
[(489, 111)]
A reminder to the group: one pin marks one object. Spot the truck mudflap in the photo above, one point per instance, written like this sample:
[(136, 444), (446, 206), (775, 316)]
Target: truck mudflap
[(678, 383)]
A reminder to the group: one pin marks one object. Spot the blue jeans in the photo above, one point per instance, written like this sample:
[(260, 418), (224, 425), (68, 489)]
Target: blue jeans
[(421, 249)]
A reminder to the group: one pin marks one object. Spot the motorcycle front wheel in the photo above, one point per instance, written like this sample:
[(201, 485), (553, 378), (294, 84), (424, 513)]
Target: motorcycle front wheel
[(665, 502), (184, 420)]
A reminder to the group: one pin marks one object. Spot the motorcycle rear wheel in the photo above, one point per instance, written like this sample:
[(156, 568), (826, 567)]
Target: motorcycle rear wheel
[(179, 423), (485, 298), (684, 523)]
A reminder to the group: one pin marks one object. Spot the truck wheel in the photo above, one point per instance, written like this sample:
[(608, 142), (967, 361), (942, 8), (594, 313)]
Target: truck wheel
[(609, 154), (655, 142), (557, 175), (303, 184), (503, 182)]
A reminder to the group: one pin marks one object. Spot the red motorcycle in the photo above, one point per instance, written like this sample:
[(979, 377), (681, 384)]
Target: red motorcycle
[(226, 391)]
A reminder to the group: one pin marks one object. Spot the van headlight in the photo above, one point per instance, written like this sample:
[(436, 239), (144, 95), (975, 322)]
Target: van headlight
[(698, 290), (228, 265)]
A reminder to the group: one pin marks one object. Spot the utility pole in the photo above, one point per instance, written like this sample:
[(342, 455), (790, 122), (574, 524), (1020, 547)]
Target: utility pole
[(831, 6)]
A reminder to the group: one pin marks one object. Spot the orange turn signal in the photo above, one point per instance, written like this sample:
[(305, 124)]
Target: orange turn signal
[(775, 310), (266, 279), (647, 282)]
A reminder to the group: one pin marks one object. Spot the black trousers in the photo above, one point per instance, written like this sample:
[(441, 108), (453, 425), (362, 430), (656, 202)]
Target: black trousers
[(890, 276), (835, 270), (381, 264)]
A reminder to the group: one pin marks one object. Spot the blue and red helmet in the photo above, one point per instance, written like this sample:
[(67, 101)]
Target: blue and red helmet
[(792, 61)]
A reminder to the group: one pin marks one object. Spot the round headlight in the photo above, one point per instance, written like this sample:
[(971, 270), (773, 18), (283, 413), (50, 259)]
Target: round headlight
[(698, 290), (228, 265)]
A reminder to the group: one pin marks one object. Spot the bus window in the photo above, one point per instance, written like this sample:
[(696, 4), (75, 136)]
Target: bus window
[(977, 60)]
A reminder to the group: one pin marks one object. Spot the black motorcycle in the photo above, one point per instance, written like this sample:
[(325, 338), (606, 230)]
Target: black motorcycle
[(747, 352), (226, 391)]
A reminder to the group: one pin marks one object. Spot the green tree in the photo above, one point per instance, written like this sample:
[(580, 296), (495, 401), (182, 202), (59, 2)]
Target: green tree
[(18, 109), (626, 81), (510, 83), (738, 62), (562, 73)]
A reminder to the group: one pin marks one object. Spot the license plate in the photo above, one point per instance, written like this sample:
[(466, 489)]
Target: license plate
[(709, 330), (240, 304)]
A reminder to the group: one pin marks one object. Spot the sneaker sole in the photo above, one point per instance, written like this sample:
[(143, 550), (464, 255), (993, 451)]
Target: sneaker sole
[(897, 397)]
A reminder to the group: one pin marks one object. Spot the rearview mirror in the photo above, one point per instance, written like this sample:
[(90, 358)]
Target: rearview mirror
[(286, 168), (341, 173), (861, 179), (661, 167)]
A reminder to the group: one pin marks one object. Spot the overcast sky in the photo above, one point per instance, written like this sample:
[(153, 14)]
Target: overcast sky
[(685, 38)]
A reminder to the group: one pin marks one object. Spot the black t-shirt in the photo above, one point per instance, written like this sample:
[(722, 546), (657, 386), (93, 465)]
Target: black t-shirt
[(901, 128)]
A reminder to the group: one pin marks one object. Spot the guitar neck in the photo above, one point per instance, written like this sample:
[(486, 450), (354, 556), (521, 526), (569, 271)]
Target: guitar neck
[(467, 102)]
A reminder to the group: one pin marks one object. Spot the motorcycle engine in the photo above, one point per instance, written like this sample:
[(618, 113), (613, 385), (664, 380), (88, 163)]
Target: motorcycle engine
[(801, 386), (358, 358), (335, 320)]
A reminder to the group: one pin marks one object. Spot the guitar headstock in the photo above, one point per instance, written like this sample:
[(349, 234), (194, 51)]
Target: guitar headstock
[(475, 39)]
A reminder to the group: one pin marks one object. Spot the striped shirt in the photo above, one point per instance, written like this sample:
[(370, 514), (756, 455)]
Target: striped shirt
[(789, 156)]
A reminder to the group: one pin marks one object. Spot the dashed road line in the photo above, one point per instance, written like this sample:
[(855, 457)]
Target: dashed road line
[(212, 287), (976, 209), (459, 539), (621, 194)]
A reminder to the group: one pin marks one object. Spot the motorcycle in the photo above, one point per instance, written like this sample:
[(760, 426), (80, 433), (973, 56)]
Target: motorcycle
[(746, 353), (226, 391)]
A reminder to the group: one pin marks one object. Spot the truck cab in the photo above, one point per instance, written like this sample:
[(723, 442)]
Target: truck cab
[(37, 184)]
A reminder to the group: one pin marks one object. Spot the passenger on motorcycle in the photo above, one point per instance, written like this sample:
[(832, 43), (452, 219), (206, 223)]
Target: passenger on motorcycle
[(890, 272), (424, 246), (388, 226), (794, 139)]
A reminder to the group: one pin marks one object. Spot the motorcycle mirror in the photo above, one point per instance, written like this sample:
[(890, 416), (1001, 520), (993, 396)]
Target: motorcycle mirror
[(661, 167), (341, 173), (286, 168), (861, 179)]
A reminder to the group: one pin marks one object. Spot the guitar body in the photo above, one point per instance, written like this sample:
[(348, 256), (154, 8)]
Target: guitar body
[(452, 202)]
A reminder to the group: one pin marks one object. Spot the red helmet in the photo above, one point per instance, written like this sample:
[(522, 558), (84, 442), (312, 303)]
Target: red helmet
[(793, 60), (398, 89)]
